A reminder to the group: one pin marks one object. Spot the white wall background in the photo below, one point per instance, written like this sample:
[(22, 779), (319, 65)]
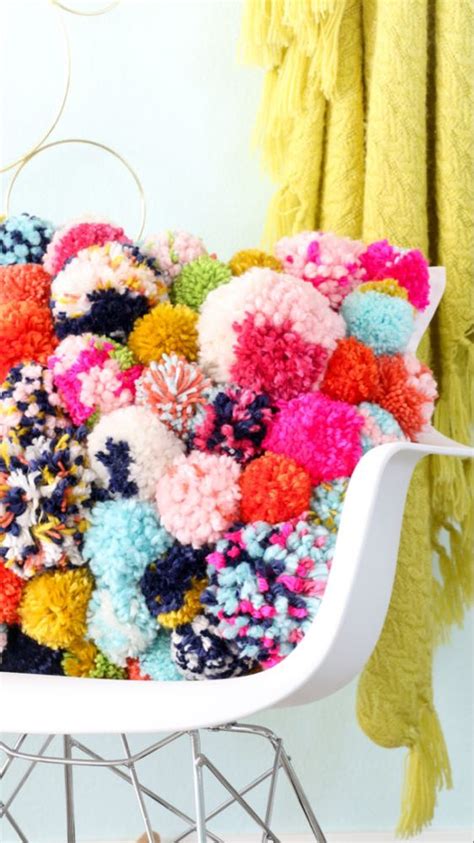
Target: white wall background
[(160, 82)]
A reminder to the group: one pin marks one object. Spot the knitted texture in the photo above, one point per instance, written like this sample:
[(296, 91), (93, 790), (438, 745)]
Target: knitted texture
[(366, 174)]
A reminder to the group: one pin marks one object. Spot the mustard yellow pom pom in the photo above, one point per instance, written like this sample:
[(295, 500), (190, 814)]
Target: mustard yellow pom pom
[(53, 608), (166, 329), (80, 660), (389, 286), (191, 607), (241, 261)]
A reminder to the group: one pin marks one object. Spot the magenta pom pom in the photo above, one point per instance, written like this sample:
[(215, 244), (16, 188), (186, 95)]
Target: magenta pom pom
[(320, 434), (410, 268)]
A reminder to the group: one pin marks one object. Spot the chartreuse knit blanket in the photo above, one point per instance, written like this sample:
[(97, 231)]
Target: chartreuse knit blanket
[(366, 126)]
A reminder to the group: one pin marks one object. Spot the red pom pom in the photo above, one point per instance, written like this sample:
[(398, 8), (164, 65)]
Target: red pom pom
[(11, 590), (352, 373), (401, 398), (274, 488), (24, 282), (26, 334), (134, 672)]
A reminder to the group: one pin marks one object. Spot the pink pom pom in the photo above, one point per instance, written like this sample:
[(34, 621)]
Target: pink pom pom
[(409, 268), (80, 234), (284, 366), (93, 375), (198, 497), (320, 434), (328, 262), (172, 250)]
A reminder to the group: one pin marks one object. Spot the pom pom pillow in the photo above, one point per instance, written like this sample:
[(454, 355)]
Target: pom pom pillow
[(177, 436)]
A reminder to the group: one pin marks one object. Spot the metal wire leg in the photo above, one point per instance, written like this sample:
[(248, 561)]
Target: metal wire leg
[(68, 783), (302, 798), (198, 787), (138, 792)]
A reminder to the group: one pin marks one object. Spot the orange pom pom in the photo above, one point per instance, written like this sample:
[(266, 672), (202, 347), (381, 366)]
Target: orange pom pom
[(134, 672), (24, 282), (26, 334), (352, 373), (11, 590), (398, 396), (274, 488)]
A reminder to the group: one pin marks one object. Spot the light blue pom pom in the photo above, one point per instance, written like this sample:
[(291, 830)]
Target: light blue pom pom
[(24, 239), (384, 323), (157, 663), (125, 535)]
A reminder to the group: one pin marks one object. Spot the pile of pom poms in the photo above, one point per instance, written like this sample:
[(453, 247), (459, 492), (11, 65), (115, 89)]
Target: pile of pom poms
[(178, 432)]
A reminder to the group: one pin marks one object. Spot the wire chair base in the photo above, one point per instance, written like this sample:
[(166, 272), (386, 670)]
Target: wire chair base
[(125, 768)]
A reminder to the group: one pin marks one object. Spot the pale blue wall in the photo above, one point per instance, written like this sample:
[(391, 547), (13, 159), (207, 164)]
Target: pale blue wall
[(172, 98)]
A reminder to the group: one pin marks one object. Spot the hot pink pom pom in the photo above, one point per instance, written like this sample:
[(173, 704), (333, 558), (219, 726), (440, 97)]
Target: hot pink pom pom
[(330, 263), (410, 268), (198, 497), (275, 359), (80, 234), (319, 433)]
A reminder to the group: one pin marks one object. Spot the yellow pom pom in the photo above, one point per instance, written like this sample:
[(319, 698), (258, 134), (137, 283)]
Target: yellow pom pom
[(53, 608), (80, 659), (164, 330), (191, 607), (241, 261), (389, 286)]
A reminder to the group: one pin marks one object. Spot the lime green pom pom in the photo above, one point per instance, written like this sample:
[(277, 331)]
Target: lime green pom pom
[(105, 669), (197, 280)]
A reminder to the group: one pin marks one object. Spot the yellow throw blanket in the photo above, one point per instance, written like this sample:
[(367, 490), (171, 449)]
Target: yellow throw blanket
[(366, 125)]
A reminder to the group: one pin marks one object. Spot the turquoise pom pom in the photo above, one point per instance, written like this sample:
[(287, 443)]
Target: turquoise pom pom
[(384, 323), (157, 662)]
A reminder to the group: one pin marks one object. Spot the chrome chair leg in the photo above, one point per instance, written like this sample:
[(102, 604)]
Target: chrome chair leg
[(138, 792), (69, 789), (198, 787), (302, 798)]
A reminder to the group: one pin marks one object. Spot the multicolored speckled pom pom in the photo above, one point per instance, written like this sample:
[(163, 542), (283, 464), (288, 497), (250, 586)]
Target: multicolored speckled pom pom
[(200, 652), (266, 583)]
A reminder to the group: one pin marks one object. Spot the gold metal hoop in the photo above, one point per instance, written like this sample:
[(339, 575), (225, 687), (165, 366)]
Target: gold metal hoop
[(73, 11), (62, 104), (97, 145)]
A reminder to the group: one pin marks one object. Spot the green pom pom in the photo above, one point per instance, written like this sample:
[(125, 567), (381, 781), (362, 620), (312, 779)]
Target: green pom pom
[(197, 280), (104, 669)]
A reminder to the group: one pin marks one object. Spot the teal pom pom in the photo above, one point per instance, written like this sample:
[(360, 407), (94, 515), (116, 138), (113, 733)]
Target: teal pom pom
[(120, 624), (157, 662), (384, 323), (197, 280), (124, 536)]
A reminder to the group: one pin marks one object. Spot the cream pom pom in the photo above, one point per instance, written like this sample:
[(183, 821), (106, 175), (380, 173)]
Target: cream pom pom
[(130, 449)]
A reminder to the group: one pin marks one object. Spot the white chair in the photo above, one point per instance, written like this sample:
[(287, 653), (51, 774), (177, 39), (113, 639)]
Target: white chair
[(333, 652)]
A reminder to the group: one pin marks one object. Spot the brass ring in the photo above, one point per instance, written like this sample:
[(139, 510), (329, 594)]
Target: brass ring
[(96, 144), (62, 105), (73, 11)]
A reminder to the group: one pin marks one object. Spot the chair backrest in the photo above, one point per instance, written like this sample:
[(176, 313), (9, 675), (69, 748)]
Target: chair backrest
[(352, 613)]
